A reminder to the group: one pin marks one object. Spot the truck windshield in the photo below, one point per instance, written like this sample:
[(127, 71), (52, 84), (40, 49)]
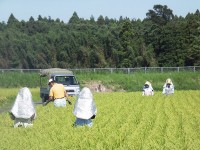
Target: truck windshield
[(66, 80)]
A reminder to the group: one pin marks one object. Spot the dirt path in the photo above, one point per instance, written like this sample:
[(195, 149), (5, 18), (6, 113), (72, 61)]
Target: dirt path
[(98, 86)]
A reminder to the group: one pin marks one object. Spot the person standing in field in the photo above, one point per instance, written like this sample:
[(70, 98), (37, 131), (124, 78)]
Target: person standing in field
[(147, 89), (168, 87), (57, 94), (84, 109), (23, 112)]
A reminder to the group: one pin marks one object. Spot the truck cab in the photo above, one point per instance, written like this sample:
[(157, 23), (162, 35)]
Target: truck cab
[(62, 76)]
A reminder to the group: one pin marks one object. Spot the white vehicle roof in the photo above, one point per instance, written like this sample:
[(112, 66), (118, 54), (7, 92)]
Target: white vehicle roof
[(59, 71)]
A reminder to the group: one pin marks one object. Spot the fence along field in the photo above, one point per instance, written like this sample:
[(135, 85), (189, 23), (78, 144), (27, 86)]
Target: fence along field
[(125, 120), (185, 80)]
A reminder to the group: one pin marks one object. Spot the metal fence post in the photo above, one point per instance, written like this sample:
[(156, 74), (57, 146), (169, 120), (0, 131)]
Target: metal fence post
[(111, 70)]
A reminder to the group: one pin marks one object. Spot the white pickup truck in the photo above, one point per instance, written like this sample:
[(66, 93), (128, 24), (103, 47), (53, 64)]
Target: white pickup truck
[(63, 76)]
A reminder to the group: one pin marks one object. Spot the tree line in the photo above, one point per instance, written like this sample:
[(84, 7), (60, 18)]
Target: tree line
[(161, 39)]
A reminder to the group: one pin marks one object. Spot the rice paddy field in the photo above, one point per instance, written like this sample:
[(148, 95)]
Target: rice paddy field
[(125, 120)]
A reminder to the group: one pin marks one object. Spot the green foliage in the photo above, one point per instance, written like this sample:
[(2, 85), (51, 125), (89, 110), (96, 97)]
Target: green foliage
[(161, 39), (129, 82), (16, 79), (135, 81), (160, 15)]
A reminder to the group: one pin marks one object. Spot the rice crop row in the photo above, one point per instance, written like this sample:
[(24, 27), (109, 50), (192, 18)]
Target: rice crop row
[(125, 120)]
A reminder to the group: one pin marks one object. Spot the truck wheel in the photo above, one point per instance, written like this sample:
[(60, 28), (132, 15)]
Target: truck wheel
[(43, 100)]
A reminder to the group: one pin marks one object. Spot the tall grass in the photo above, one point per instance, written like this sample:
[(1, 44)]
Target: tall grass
[(125, 120), (135, 82), (17, 79), (128, 82)]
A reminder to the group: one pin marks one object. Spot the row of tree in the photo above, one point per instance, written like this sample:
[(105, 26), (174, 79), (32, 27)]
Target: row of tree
[(161, 39)]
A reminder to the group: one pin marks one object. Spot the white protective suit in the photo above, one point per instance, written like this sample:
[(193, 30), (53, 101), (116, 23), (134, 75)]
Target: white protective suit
[(23, 109), (168, 87), (85, 107), (147, 89)]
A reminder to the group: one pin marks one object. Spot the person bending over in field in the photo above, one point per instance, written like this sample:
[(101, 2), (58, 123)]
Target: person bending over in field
[(23, 112), (84, 109), (147, 89), (57, 94), (168, 87)]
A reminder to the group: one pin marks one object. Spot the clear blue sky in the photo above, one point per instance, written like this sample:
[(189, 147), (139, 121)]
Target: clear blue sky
[(63, 9)]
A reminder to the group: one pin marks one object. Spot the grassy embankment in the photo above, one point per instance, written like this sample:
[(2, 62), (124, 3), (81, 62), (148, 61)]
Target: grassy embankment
[(128, 82), (114, 81)]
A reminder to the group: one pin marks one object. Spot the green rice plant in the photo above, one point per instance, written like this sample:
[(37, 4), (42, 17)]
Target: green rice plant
[(125, 120), (8, 95)]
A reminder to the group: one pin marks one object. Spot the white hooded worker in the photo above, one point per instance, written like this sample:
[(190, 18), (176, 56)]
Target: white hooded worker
[(168, 87), (147, 89), (23, 111), (84, 109)]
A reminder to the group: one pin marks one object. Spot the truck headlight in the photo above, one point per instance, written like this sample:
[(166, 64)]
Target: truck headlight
[(77, 90)]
